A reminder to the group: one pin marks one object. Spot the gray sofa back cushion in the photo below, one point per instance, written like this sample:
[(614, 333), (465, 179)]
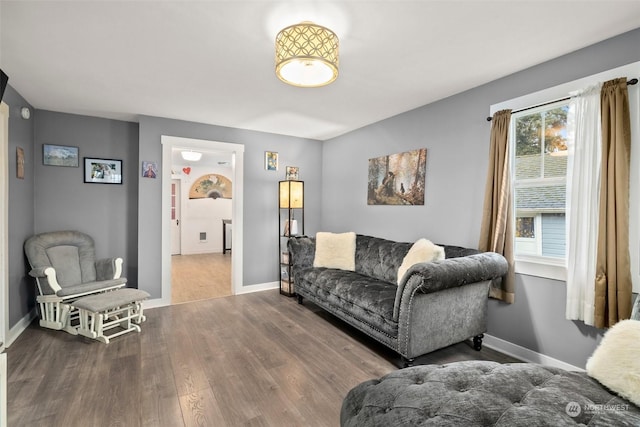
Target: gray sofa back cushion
[(379, 258), (375, 257)]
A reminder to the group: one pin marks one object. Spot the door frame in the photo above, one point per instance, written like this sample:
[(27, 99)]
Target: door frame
[(4, 224), (237, 166)]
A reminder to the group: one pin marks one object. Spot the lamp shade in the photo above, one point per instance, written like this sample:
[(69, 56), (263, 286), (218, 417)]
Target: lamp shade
[(291, 194), (307, 55)]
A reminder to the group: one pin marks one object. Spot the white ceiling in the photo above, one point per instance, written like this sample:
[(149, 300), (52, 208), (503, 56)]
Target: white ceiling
[(213, 61)]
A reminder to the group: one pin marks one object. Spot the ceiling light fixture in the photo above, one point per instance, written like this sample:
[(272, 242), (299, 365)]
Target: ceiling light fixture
[(307, 55), (191, 156)]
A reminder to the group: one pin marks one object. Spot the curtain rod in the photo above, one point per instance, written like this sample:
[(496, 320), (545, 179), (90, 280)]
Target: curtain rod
[(630, 82)]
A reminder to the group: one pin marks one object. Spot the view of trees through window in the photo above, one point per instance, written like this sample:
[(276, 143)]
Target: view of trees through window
[(539, 137)]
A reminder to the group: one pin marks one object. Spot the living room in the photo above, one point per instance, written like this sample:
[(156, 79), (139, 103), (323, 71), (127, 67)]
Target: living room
[(126, 220)]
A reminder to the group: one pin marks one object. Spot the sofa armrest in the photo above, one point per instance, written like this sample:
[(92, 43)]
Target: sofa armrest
[(428, 277), (108, 268), (303, 252)]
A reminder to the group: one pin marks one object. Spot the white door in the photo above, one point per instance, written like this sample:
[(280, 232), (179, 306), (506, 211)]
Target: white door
[(175, 217)]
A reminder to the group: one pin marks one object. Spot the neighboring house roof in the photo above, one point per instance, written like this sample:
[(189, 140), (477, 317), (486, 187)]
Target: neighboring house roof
[(529, 167), (541, 195)]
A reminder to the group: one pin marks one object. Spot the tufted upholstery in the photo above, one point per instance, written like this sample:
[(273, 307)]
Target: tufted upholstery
[(436, 304), (482, 393)]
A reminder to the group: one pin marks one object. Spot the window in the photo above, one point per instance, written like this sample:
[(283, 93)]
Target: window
[(539, 141), (546, 225)]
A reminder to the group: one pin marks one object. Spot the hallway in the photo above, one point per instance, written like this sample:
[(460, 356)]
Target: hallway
[(201, 276)]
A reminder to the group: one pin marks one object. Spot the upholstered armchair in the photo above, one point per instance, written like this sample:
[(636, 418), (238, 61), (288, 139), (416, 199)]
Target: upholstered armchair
[(65, 268)]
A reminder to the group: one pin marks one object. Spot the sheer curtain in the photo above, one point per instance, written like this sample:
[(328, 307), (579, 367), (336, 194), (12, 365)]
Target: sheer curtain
[(583, 190), (496, 231)]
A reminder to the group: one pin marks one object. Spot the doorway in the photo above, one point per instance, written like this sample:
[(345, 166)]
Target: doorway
[(234, 154)]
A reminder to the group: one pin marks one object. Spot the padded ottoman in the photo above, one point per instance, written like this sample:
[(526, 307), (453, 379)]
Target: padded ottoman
[(483, 393)]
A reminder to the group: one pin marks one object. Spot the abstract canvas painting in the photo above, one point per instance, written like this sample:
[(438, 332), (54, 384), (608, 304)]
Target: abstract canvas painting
[(398, 179)]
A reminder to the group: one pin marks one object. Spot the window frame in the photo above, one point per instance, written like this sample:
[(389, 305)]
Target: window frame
[(550, 268), (529, 262)]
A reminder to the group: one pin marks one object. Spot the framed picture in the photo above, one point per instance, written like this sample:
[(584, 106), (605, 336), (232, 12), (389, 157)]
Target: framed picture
[(60, 155), (292, 172), (149, 169), (102, 171), (398, 179), (271, 160), (19, 162)]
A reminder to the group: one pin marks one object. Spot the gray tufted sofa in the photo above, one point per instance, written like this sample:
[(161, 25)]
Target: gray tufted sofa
[(436, 304)]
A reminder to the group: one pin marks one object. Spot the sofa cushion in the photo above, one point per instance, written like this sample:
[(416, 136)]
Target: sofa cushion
[(422, 250), (380, 258), (335, 250), (365, 298), (616, 361)]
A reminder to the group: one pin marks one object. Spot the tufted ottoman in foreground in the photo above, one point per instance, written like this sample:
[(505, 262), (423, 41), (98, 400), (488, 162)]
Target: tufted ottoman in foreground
[(482, 393)]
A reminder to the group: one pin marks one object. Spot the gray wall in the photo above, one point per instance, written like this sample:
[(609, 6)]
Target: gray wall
[(107, 212), (260, 194), (21, 207), (456, 136)]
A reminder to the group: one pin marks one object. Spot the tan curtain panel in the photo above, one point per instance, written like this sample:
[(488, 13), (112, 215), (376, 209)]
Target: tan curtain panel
[(496, 231), (613, 271)]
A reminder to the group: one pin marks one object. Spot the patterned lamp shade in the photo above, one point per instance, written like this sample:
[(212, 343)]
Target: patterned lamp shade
[(291, 194), (307, 55)]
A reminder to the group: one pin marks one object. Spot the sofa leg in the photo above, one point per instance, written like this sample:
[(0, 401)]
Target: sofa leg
[(299, 299), (406, 362), (477, 342)]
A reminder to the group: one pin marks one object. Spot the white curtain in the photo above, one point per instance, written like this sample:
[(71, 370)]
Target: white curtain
[(583, 191)]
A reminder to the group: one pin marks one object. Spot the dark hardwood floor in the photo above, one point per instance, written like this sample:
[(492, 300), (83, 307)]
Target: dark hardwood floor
[(249, 360)]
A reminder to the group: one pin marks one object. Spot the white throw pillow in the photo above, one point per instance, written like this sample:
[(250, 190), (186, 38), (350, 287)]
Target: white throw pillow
[(422, 250), (616, 361), (335, 250)]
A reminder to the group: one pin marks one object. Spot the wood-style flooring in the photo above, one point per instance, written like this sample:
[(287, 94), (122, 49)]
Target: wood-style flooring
[(256, 359), (200, 276)]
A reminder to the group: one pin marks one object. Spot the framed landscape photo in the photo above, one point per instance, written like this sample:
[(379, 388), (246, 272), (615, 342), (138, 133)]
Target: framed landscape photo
[(102, 171), (60, 155)]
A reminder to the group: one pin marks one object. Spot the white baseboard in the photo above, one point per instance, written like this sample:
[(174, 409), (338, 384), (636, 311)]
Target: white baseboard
[(162, 302), (155, 303), (525, 354), (20, 327), (258, 288)]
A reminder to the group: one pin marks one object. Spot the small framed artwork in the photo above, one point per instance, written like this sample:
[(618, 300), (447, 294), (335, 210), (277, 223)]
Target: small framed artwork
[(60, 155), (102, 171), (292, 172), (19, 162), (271, 160), (149, 169)]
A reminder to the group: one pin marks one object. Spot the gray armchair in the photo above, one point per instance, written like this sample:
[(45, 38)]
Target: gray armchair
[(64, 266)]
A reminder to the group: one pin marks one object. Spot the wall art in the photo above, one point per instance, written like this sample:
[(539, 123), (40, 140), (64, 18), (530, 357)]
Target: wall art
[(60, 155), (102, 171), (398, 179)]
